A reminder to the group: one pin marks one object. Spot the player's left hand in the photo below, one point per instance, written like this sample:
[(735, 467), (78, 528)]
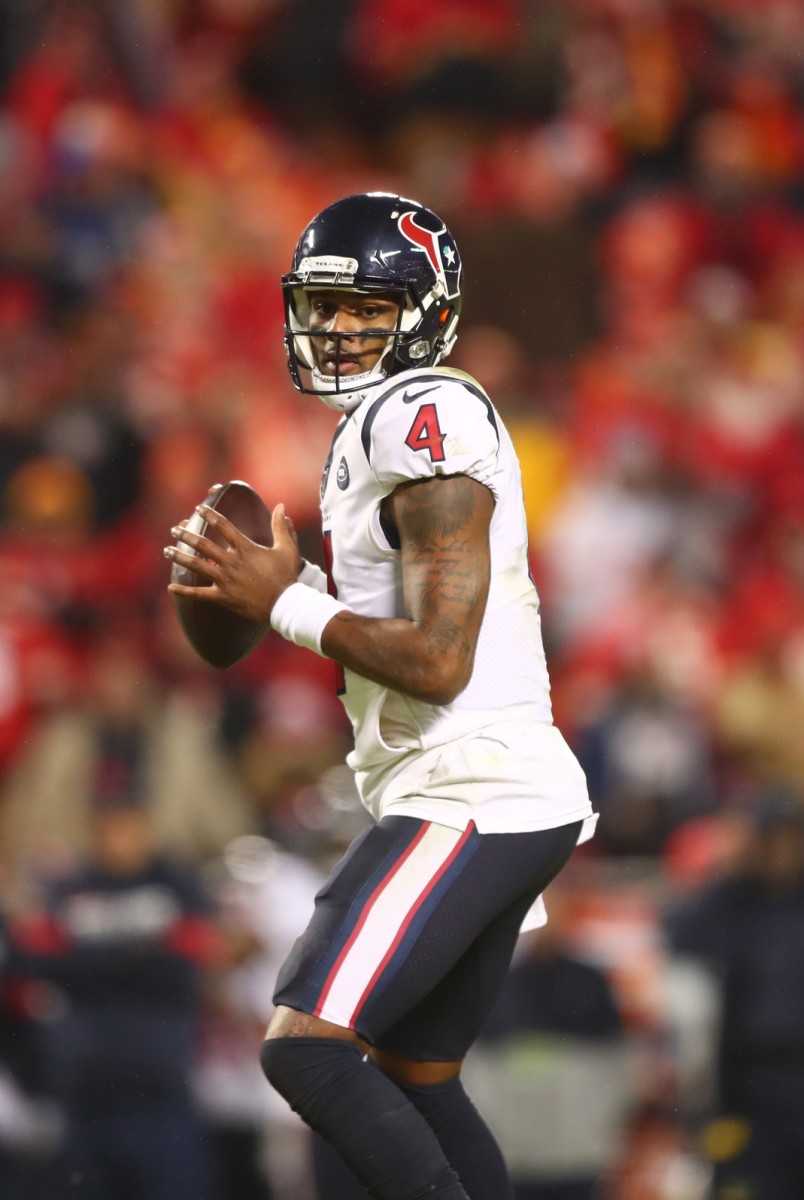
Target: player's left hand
[(243, 576)]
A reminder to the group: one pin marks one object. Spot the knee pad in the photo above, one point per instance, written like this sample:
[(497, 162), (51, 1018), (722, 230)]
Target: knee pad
[(377, 1132), (309, 1072)]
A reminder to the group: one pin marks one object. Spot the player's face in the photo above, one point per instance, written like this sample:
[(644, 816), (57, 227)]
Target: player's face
[(345, 323)]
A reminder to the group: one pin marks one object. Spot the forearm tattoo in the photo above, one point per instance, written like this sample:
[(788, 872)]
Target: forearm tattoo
[(442, 635)]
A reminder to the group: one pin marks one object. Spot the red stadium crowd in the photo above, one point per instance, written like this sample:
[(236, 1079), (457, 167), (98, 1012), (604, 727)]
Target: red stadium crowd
[(626, 181)]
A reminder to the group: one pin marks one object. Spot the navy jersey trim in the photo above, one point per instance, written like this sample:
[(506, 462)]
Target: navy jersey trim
[(371, 415), (390, 530)]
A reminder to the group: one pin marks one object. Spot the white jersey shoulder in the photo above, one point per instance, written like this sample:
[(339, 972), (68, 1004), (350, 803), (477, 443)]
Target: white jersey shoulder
[(430, 422)]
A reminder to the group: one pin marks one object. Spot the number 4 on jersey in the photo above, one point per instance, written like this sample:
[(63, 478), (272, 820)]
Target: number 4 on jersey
[(425, 433)]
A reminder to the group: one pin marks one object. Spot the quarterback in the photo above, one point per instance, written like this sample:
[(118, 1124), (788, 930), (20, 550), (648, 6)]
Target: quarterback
[(428, 608)]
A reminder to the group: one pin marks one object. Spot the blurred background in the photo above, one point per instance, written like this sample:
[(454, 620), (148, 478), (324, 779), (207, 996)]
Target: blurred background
[(624, 178)]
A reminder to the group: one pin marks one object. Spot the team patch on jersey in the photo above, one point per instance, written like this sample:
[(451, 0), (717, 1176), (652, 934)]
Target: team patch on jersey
[(328, 464), (342, 476)]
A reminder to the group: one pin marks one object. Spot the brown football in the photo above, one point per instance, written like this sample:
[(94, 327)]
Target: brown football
[(222, 637)]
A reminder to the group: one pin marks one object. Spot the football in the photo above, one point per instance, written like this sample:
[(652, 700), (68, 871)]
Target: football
[(222, 637)]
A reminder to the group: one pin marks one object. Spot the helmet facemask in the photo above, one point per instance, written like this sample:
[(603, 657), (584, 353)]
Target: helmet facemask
[(421, 337)]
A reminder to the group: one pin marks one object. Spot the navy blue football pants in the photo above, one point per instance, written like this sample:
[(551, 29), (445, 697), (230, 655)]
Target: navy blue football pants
[(413, 933)]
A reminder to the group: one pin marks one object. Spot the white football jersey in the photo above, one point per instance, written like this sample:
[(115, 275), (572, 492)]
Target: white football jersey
[(492, 755)]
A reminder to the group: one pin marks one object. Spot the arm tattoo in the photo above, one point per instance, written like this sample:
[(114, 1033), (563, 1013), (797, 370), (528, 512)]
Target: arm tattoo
[(443, 635), (440, 526), (430, 515), (443, 527)]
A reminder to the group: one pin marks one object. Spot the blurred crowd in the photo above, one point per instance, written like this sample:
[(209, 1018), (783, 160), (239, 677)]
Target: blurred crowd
[(626, 181)]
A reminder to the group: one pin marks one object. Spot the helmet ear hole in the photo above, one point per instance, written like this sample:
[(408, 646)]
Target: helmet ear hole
[(445, 315)]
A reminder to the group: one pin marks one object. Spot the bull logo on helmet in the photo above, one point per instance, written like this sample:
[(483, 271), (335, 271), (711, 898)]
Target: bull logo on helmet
[(430, 243)]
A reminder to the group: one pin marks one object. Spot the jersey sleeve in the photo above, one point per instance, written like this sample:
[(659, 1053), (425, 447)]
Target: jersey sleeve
[(428, 429)]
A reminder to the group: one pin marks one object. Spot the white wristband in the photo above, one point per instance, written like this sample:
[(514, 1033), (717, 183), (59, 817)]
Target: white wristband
[(313, 576), (301, 614)]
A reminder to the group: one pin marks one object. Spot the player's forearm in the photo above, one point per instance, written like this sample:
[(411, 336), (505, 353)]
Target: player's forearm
[(429, 661)]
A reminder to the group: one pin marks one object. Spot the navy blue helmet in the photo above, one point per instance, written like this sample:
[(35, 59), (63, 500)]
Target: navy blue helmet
[(375, 242)]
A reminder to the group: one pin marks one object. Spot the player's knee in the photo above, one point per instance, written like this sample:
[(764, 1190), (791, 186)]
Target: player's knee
[(283, 1060), (308, 1072)]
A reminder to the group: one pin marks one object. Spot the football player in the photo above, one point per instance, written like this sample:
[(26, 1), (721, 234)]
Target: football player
[(429, 611)]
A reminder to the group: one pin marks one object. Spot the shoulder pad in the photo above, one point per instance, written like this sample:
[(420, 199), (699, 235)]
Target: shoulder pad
[(430, 422)]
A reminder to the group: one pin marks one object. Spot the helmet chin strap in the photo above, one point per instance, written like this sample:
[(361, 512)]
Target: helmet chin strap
[(326, 388), (330, 387)]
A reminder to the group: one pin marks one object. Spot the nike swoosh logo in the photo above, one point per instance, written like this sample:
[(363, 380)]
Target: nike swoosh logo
[(409, 397)]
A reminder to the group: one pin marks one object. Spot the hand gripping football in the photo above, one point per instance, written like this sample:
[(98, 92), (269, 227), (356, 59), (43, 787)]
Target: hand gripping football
[(222, 637)]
